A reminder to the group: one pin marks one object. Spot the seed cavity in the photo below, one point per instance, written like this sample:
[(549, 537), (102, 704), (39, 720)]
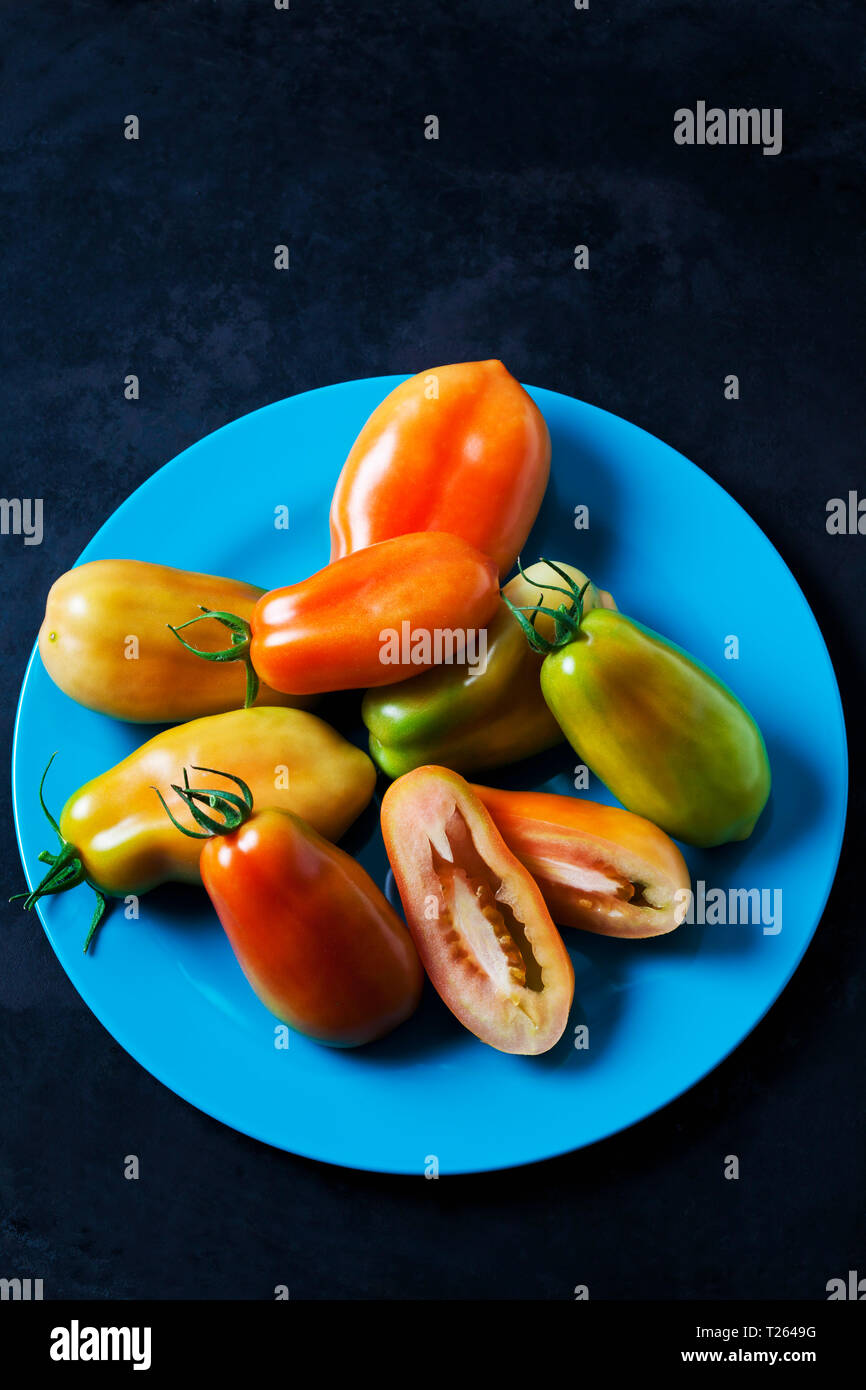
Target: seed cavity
[(484, 933)]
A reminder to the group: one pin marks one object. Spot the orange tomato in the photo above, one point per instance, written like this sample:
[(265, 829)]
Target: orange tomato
[(373, 616), (461, 448)]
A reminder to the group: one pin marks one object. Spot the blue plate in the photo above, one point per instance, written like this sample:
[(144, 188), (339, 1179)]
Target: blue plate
[(678, 554)]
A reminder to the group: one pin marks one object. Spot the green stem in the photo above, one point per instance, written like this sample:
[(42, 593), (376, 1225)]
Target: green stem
[(241, 635), (65, 870), (98, 913)]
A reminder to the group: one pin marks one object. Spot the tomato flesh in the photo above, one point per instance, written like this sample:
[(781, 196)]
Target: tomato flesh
[(477, 917), (600, 868)]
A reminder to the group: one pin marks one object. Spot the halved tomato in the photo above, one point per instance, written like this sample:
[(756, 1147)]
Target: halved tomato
[(476, 915), (600, 868)]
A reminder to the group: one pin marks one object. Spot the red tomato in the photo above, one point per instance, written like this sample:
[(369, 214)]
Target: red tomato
[(476, 915), (461, 448), (333, 630), (318, 942)]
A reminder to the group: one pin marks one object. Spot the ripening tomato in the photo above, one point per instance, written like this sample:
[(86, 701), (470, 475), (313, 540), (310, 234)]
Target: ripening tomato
[(467, 716), (379, 615), (374, 616), (106, 642), (461, 448), (319, 943), (476, 915), (113, 832), (666, 736)]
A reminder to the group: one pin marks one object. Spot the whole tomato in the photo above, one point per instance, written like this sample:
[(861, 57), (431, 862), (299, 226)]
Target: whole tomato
[(462, 717), (379, 615), (461, 448), (317, 940), (96, 610), (337, 629), (114, 836)]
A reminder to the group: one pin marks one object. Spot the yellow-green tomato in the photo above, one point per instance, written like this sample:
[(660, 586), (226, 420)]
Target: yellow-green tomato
[(291, 761), (667, 737), (105, 641)]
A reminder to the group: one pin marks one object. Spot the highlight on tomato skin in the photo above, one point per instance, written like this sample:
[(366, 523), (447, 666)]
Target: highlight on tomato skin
[(477, 917), (316, 938), (600, 868)]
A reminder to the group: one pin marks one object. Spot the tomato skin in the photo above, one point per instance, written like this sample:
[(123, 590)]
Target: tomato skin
[(477, 917), (125, 840), (319, 943), (474, 460), (590, 861), (326, 632), (94, 609), (462, 719), (665, 735)]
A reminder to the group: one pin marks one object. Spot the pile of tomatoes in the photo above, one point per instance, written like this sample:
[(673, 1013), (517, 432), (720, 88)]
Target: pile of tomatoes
[(249, 790)]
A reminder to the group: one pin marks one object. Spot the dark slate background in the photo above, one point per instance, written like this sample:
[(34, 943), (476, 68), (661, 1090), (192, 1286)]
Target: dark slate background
[(156, 257)]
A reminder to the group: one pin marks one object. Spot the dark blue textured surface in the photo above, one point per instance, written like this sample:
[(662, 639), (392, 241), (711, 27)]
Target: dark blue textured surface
[(156, 257)]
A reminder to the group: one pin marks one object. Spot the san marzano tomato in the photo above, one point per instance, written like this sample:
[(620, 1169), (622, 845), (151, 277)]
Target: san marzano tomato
[(600, 868), (106, 642), (320, 944), (477, 917), (379, 615), (461, 448), (329, 631), (115, 837)]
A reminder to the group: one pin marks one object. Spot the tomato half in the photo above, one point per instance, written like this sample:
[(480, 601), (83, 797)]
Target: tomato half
[(476, 915), (321, 946), (600, 868)]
